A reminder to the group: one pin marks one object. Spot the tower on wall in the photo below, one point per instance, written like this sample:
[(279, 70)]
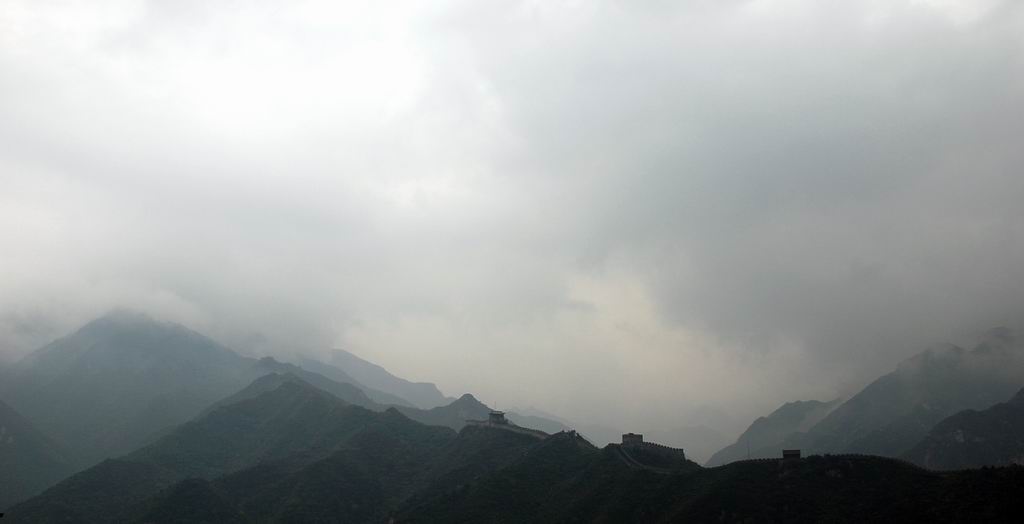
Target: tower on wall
[(632, 439)]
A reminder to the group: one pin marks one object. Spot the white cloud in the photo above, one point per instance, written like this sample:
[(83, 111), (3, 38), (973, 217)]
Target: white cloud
[(729, 203)]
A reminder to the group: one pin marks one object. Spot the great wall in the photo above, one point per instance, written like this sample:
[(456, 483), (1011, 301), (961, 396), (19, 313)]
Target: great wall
[(651, 456), (633, 451), (497, 419)]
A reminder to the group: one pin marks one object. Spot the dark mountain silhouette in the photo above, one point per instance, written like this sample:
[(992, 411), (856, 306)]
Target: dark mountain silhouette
[(293, 445), (286, 451), (453, 415), (29, 461), (765, 437), (972, 439), (467, 407), (392, 466), (278, 419), (518, 492), (895, 412), (560, 481), (124, 379), (107, 388), (280, 449), (191, 500), (348, 392)]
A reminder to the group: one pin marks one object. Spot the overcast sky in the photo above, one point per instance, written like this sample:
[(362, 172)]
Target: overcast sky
[(609, 210)]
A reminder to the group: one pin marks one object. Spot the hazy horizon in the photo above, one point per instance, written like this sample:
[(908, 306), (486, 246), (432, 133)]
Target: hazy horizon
[(642, 216)]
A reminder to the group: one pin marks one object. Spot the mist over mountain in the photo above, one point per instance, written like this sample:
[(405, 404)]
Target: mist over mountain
[(614, 203), (548, 261), (294, 444), (111, 385), (423, 394), (283, 450), (467, 407), (339, 375), (349, 392), (766, 436), (125, 378), (893, 413), (260, 445), (975, 438), (277, 418)]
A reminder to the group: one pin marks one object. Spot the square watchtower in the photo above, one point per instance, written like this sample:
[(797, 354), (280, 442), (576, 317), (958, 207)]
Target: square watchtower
[(632, 440)]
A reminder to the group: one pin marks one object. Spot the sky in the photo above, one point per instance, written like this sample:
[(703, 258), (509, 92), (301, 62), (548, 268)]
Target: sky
[(628, 213)]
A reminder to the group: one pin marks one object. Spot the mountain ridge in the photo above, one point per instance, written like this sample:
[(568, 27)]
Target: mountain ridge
[(284, 420), (423, 395), (766, 435), (894, 412), (975, 438)]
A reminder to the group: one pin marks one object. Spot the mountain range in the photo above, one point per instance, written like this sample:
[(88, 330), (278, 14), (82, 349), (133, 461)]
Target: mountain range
[(895, 412), (766, 436), (283, 450), (422, 394), (165, 425), (124, 380), (278, 421), (972, 438)]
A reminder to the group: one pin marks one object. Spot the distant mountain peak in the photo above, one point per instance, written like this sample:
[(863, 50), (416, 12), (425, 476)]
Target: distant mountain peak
[(107, 340), (421, 394), (468, 401), (105, 388), (1018, 398)]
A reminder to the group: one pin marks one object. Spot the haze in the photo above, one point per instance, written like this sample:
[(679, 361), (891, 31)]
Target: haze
[(632, 214)]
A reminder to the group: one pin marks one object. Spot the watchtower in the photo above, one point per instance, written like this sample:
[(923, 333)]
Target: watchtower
[(497, 417), (633, 440)]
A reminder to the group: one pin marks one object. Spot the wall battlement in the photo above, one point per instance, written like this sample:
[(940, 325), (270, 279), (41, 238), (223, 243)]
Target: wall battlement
[(659, 448), (635, 442)]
